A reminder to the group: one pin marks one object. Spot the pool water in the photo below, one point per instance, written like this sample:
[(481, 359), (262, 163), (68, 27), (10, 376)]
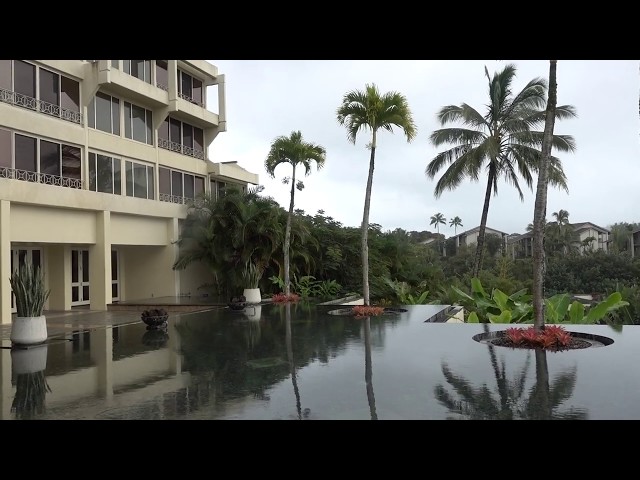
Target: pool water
[(298, 362)]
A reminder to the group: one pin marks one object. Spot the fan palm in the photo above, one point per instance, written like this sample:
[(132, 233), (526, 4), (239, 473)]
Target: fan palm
[(371, 110), (501, 142), (292, 150)]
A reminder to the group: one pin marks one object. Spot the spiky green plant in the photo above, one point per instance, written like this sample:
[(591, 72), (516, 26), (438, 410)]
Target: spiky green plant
[(27, 284), (251, 275)]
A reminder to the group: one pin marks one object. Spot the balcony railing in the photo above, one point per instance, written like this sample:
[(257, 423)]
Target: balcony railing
[(162, 87), (165, 197), (178, 148), (190, 99), (44, 178), (25, 101)]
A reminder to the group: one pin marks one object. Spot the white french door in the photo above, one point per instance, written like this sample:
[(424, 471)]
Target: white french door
[(115, 276), (19, 256), (79, 277)]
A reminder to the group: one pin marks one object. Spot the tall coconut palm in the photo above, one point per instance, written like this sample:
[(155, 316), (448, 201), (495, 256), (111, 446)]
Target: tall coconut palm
[(371, 110), (455, 222), (562, 217), (540, 208), (501, 142), (437, 220), (294, 151)]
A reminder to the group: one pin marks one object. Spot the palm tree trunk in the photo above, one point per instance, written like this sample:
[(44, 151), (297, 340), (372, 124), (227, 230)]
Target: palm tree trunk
[(483, 224), (287, 237), (365, 224), (368, 369), (292, 366), (540, 210)]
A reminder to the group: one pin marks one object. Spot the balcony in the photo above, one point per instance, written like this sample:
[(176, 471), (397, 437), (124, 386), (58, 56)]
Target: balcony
[(43, 178), (46, 108), (178, 148), (165, 197), (111, 80)]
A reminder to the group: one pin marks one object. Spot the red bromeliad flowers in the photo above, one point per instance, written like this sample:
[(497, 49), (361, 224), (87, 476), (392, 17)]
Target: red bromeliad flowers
[(367, 311), (553, 336), (283, 298)]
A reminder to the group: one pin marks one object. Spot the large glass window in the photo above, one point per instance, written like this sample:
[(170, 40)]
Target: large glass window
[(179, 184), (138, 123), (104, 173), (138, 68), (139, 180), (25, 153), (50, 158), (190, 88), (104, 113), (183, 135), (69, 94), (71, 162), (5, 148), (49, 87), (24, 81), (162, 74)]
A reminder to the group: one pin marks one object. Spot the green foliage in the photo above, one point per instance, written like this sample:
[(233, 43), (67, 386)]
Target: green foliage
[(518, 307), (404, 294), (27, 284), (308, 287)]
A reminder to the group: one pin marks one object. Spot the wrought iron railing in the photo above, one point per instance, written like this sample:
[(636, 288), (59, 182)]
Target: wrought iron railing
[(25, 101), (44, 178), (165, 197), (190, 99), (178, 148), (162, 87)]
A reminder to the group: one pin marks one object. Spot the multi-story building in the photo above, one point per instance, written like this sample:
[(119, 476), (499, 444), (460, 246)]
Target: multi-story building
[(587, 236), (470, 237), (98, 159)]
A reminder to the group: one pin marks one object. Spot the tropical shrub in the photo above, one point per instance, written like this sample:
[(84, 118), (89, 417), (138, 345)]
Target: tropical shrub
[(27, 284), (552, 337), (366, 311)]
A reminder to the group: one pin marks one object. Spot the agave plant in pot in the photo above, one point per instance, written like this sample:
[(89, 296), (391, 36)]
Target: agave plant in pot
[(30, 325)]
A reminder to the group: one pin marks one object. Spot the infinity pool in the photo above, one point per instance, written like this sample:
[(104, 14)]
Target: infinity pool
[(299, 362)]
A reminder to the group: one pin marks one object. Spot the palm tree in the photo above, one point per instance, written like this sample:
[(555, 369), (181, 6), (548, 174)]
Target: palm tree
[(294, 151), (370, 110), (562, 217), (540, 208), (455, 222), (436, 220), (502, 142)]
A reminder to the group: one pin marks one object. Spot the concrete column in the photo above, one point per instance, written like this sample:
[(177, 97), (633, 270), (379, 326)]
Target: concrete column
[(172, 251), (100, 264), (102, 355), (172, 69), (6, 390), (59, 272), (222, 103), (5, 261)]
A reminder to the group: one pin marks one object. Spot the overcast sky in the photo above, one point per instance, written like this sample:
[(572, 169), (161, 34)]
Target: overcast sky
[(267, 98)]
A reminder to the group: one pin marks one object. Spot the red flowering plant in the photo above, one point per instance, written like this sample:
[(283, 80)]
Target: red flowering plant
[(552, 337), (367, 311), (284, 298)]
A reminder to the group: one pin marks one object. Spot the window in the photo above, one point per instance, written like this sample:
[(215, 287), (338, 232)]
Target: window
[(176, 186), (51, 94), (181, 137), (139, 180), (162, 74), (138, 123), (190, 88), (5, 149), (138, 68), (104, 113), (104, 174), (57, 164)]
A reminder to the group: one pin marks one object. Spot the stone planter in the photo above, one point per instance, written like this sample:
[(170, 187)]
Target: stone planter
[(252, 295), (28, 330)]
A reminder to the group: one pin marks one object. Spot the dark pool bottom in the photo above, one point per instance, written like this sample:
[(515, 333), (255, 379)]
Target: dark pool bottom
[(298, 362)]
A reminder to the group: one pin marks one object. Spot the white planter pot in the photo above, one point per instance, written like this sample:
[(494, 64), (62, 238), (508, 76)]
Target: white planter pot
[(29, 360), (252, 295), (28, 330), (253, 312)]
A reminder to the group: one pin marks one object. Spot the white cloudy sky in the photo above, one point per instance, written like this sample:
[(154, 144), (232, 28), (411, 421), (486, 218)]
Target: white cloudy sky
[(267, 98)]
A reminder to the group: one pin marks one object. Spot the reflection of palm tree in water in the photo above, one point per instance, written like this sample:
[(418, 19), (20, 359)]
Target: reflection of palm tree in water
[(368, 368), (292, 366), (542, 403)]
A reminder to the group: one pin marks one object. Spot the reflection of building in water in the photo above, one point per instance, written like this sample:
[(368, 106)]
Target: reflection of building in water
[(84, 372)]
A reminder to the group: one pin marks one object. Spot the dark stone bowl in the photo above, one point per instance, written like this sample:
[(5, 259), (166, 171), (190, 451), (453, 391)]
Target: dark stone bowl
[(159, 321)]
